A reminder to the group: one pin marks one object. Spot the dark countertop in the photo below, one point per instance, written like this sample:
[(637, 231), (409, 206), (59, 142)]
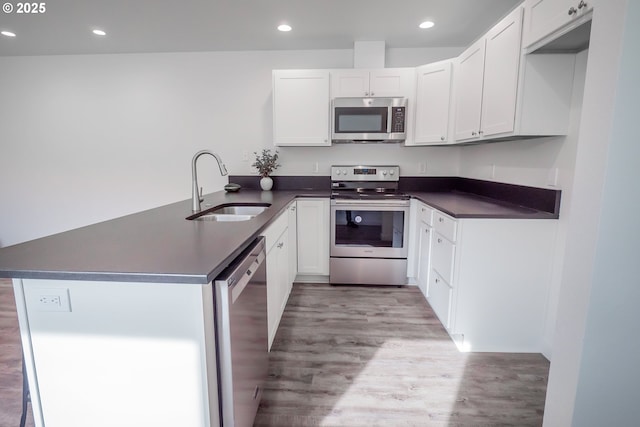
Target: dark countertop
[(157, 245), (160, 245), (465, 205)]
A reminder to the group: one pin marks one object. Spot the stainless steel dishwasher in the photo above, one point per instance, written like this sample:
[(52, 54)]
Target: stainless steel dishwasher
[(241, 329)]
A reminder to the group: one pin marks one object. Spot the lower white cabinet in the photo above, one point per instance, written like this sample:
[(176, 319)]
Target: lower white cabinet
[(279, 281), (293, 241), (487, 280), (313, 236), (440, 298)]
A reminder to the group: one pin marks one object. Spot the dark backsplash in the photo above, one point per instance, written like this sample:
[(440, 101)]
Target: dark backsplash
[(541, 199)]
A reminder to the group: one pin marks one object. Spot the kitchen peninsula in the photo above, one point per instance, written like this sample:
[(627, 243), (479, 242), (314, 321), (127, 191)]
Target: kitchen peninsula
[(133, 325)]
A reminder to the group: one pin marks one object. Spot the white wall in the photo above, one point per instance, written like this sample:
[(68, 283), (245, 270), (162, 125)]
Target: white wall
[(584, 252), (89, 138), (607, 392)]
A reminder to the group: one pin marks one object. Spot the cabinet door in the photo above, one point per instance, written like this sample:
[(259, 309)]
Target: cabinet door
[(301, 107), (442, 257), (545, 16), (433, 102), (293, 245), (424, 249), (440, 298), (349, 83), (501, 64), (469, 76), (277, 283), (392, 82), (313, 236)]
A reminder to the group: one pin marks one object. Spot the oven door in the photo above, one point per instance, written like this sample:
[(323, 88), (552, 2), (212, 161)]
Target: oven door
[(369, 228)]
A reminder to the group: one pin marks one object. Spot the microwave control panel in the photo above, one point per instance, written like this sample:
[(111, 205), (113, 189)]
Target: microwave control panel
[(397, 119)]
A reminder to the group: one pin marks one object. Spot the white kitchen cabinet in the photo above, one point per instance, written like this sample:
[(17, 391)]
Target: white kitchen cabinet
[(486, 279), (487, 81), (501, 93), (384, 82), (278, 271), (549, 19), (301, 108), (293, 242), (440, 298), (313, 236), (424, 257), (433, 104), (468, 82)]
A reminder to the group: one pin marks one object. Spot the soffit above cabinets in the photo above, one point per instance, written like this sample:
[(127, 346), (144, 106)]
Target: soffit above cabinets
[(65, 27)]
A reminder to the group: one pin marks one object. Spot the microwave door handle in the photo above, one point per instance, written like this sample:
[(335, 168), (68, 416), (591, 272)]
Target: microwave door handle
[(389, 120)]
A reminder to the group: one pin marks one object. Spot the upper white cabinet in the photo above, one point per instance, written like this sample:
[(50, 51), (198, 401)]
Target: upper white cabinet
[(487, 81), (552, 17), (385, 82), (433, 104), (501, 93), (469, 74), (301, 108)]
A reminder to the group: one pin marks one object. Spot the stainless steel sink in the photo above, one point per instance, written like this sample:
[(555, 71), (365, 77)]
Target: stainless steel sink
[(225, 213)]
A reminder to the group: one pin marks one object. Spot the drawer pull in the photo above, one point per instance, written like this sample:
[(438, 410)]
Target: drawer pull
[(572, 11), (437, 280), (439, 240), (441, 219)]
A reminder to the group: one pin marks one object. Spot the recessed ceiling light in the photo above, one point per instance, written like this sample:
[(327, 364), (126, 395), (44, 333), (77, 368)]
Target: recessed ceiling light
[(7, 33), (426, 24), (284, 27), (99, 32)]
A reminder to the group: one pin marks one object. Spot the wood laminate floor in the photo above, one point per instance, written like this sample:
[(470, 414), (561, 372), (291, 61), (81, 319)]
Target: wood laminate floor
[(10, 361), (378, 356), (357, 356)]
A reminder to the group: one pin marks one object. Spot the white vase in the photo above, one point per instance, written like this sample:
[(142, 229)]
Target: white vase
[(266, 183)]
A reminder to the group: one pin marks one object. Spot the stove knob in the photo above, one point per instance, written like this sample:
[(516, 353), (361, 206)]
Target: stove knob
[(344, 171), (384, 172), (338, 172), (391, 172)]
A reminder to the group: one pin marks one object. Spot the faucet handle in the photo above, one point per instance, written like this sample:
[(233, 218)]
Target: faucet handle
[(200, 198)]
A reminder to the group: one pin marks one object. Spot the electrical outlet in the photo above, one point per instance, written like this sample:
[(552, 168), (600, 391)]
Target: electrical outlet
[(52, 300)]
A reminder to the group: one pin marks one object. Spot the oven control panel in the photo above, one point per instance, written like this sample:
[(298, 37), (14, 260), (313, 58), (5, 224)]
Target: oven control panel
[(365, 173)]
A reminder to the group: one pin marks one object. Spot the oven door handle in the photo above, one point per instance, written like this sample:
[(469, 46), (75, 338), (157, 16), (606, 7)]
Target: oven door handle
[(372, 203)]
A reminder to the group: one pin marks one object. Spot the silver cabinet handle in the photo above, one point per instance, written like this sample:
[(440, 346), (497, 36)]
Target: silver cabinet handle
[(572, 11), (366, 94), (473, 133), (372, 93), (423, 210), (437, 280), (293, 208), (440, 219), (280, 245), (442, 138), (426, 231), (439, 240), (582, 4), (480, 132)]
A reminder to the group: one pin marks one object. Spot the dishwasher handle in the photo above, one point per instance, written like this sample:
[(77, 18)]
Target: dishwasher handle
[(246, 269)]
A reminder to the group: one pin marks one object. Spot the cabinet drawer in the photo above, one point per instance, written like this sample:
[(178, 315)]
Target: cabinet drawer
[(275, 230), (425, 214), (442, 256), (445, 225), (440, 294)]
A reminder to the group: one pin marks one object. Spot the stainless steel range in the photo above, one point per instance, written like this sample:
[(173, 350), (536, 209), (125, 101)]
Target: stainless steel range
[(369, 226)]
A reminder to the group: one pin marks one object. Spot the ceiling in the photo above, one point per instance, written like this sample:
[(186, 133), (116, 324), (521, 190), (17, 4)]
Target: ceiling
[(214, 25)]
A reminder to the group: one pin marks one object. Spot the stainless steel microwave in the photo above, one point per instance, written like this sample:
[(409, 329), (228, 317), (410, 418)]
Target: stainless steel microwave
[(368, 119)]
